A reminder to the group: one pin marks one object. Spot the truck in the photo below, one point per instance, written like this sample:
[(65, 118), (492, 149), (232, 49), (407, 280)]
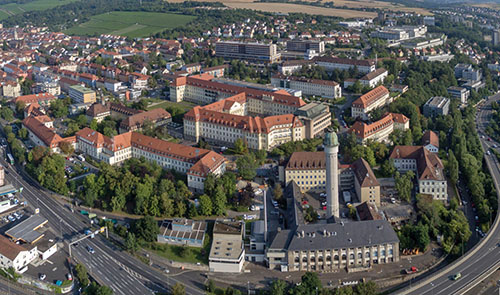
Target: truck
[(411, 270)]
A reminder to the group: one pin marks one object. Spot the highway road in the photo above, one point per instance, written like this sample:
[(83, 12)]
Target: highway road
[(485, 255), (109, 264)]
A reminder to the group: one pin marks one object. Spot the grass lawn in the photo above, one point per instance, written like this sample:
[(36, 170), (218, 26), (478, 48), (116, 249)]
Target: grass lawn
[(193, 254), (10, 9), (130, 23), (166, 103)]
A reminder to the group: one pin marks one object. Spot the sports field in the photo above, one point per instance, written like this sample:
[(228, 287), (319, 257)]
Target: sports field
[(130, 23), (7, 10)]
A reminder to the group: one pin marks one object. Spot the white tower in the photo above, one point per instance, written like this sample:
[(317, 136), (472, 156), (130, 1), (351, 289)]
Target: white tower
[(331, 144)]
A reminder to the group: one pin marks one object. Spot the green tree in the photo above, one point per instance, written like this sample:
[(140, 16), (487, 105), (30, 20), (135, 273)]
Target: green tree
[(131, 243), (247, 166), (368, 288), (404, 185), (387, 168), (94, 125), (278, 287), (205, 205), (211, 286), (146, 229), (452, 167), (178, 289), (240, 146), (209, 184), (277, 192), (20, 106), (81, 274), (219, 201), (58, 108), (91, 190)]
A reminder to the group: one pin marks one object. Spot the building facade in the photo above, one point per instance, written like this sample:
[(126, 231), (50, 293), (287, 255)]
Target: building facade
[(196, 163), (369, 101), (80, 94), (334, 246), (436, 106), (227, 253), (315, 87), (259, 52), (334, 63), (427, 166), (381, 129)]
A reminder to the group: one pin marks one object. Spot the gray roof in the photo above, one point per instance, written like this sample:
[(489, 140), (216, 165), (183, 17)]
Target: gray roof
[(6, 189), (342, 235), (26, 230), (282, 239)]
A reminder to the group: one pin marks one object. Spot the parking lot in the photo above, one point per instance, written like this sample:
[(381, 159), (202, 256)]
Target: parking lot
[(51, 270)]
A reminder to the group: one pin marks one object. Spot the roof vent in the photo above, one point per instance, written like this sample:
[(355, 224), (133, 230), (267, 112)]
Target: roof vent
[(349, 240)]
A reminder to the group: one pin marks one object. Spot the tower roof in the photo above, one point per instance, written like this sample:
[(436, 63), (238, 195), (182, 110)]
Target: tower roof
[(331, 138)]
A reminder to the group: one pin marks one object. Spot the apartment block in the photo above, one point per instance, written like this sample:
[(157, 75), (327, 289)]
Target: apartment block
[(304, 45), (436, 106), (227, 253), (315, 87), (461, 93), (373, 99), (427, 166), (333, 246), (381, 129), (81, 94), (316, 117), (196, 163), (260, 52), (334, 63)]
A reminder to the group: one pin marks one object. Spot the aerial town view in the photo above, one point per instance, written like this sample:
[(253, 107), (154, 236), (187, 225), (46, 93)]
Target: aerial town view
[(268, 147)]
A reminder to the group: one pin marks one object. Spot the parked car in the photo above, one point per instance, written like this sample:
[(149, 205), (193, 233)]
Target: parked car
[(69, 277), (42, 276)]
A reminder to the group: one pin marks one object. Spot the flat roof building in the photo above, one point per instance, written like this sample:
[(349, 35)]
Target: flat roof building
[(329, 247), (26, 231), (227, 253), (182, 231), (436, 105), (80, 94), (253, 51)]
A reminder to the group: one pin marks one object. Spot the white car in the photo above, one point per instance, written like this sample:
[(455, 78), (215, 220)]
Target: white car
[(42, 277)]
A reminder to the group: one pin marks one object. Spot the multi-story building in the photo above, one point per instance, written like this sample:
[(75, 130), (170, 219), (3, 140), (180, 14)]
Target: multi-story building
[(225, 128), (260, 52), (461, 93), (41, 135), (381, 129), (48, 87), (196, 163), (316, 118), (10, 89), (203, 89), (227, 253), (305, 45), (369, 101), (308, 171), (366, 184), (80, 94), (334, 63), (42, 99), (430, 141), (291, 66), (436, 106), (374, 78), (400, 33), (14, 255), (157, 117), (496, 37), (428, 168), (467, 72), (333, 246), (316, 87)]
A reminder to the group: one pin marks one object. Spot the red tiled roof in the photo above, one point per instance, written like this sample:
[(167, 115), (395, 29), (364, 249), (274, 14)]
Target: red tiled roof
[(430, 137), (45, 134), (10, 249), (32, 98), (363, 130), (138, 119), (429, 166), (371, 97)]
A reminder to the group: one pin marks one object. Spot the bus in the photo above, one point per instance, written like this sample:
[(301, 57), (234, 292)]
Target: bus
[(10, 159)]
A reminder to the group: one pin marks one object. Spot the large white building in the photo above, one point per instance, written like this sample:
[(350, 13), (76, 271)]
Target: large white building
[(195, 162), (227, 253), (427, 166), (225, 121), (203, 89), (14, 255), (247, 50), (334, 63), (381, 129), (369, 101), (316, 87)]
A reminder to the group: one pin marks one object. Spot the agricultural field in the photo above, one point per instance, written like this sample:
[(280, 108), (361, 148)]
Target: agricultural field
[(339, 12), (10, 9), (130, 23)]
